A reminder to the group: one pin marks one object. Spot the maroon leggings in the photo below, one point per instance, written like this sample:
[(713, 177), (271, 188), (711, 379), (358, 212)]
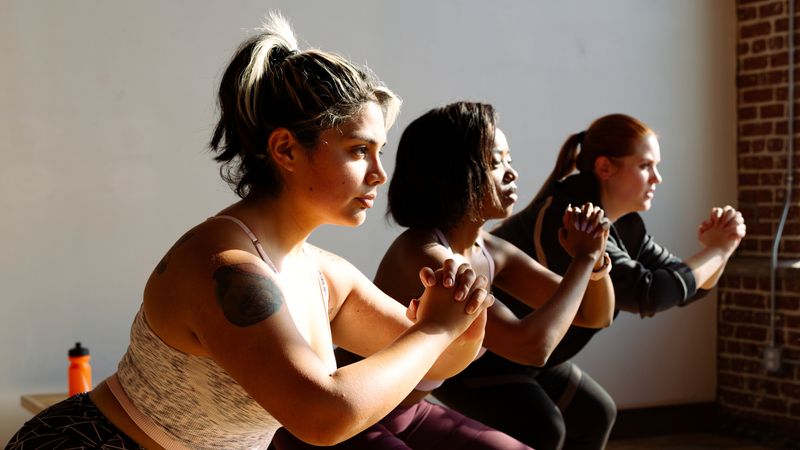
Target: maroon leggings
[(421, 426)]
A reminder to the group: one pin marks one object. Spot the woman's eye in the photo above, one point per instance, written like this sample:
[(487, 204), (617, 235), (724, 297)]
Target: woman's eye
[(360, 151)]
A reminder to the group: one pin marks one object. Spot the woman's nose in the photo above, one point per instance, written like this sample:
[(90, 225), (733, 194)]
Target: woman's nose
[(510, 174)]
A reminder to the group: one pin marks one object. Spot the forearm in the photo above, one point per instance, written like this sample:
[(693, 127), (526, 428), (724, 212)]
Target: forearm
[(546, 326), (365, 391), (707, 266), (712, 281), (597, 307), (460, 353)]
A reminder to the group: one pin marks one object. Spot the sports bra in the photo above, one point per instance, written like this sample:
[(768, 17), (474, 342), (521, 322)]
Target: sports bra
[(186, 401)]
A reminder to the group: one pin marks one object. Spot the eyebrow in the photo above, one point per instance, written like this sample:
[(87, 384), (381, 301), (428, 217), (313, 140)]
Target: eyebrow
[(363, 137)]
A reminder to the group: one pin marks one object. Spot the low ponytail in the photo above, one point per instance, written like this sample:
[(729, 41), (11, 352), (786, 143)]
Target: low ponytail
[(613, 136), (565, 164)]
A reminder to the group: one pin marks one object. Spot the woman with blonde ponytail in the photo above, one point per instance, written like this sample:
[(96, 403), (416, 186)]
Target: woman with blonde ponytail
[(235, 334), (613, 164)]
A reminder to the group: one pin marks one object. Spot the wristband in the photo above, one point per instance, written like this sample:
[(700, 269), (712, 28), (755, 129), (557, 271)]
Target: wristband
[(603, 270)]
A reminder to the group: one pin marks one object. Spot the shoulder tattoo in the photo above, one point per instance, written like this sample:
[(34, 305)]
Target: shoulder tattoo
[(245, 294)]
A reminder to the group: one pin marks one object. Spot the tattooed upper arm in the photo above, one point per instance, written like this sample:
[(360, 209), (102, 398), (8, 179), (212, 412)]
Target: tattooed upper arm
[(246, 295)]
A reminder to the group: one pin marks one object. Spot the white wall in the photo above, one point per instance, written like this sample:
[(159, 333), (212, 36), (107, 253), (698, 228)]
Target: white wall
[(106, 108)]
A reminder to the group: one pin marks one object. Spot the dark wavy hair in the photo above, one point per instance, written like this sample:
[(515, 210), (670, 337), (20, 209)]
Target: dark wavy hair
[(443, 159), (271, 84)]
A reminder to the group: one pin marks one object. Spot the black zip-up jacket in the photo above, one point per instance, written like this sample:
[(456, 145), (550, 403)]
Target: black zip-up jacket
[(647, 277)]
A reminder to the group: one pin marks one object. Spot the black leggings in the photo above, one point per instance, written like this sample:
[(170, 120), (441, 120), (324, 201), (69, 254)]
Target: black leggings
[(560, 407), (74, 423)]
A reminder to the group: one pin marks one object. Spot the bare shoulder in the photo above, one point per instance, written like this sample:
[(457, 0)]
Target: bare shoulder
[(333, 266), (211, 258), (416, 246)]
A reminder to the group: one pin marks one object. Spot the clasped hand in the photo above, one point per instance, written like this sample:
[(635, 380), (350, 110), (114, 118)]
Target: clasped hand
[(455, 297), (585, 231), (724, 229)]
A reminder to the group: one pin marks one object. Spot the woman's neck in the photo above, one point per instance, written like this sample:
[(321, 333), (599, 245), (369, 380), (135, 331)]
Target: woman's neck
[(275, 223), (612, 210), (463, 236)]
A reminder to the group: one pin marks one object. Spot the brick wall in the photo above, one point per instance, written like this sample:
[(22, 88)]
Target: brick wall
[(746, 391)]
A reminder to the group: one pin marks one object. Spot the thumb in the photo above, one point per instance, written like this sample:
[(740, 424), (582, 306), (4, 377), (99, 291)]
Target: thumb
[(411, 311)]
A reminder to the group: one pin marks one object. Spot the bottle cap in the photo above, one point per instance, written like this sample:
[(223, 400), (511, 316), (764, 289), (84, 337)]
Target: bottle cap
[(78, 350)]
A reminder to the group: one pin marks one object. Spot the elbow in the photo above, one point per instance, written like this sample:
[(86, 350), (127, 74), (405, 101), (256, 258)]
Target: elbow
[(325, 430), (606, 321), (538, 352), (598, 322), (538, 360)]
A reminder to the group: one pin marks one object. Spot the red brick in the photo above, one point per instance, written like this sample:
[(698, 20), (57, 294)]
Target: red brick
[(770, 10), (769, 212), (748, 179), (773, 77), (758, 145), (742, 48), (793, 339), (758, 95), (756, 129), (747, 13), (765, 245), (747, 113), (756, 162), (728, 397), (781, 25), (791, 229), (763, 386), (791, 390), (756, 195), (751, 333), (743, 316), (748, 300), (758, 46), (777, 60), (744, 146), (787, 303), (776, 405), (748, 211), (775, 42), (742, 348), (731, 380), (749, 282), (748, 247), (794, 355), (791, 246), (759, 229), (724, 329), (757, 29), (770, 111), (756, 63), (771, 178)]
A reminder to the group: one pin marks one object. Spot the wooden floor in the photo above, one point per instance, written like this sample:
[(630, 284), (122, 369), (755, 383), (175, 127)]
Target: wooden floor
[(692, 441)]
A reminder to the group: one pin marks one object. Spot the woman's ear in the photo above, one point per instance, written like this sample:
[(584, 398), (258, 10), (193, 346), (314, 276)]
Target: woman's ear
[(604, 168), (283, 147)]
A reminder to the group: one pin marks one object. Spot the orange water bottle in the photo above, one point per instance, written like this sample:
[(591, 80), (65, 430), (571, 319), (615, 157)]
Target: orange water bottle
[(79, 374)]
